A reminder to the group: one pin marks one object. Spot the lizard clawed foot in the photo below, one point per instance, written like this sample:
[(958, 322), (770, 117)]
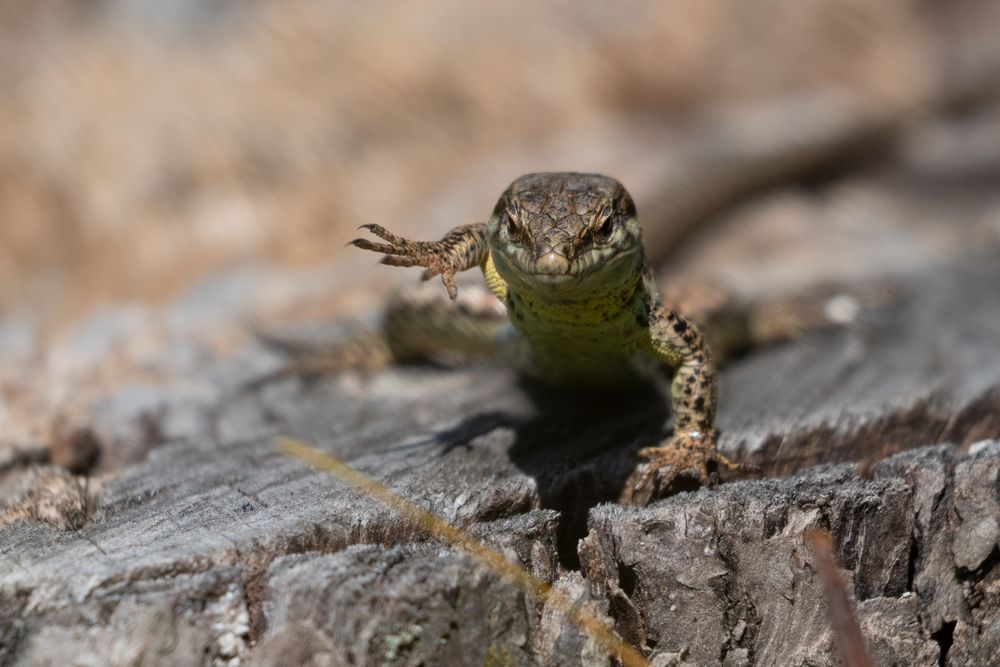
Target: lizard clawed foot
[(686, 452), (437, 257)]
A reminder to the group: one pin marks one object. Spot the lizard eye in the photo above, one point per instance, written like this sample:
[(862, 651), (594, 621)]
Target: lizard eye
[(512, 230), (606, 229)]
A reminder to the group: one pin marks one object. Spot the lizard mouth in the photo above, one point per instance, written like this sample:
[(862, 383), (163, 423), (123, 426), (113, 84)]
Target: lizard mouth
[(576, 279), (552, 278), (554, 284)]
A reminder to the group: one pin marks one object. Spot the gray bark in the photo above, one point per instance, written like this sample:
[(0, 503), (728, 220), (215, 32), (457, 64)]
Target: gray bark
[(215, 549)]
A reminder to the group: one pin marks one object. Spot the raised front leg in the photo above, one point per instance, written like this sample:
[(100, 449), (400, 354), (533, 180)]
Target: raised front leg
[(678, 342), (462, 248)]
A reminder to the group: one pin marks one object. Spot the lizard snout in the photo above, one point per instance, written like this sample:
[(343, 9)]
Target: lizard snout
[(551, 263)]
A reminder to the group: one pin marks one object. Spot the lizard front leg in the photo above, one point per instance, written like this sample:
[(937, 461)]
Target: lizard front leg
[(462, 248), (693, 392)]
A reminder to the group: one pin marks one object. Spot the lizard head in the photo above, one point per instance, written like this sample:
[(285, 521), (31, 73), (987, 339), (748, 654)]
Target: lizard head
[(566, 235)]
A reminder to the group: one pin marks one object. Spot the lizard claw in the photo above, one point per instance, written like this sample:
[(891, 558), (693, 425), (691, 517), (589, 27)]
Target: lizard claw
[(435, 257), (447, 279), (692, 453)]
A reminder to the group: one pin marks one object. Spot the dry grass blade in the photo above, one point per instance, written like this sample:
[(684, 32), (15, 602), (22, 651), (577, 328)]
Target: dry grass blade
[(850, 641), (586, 620)]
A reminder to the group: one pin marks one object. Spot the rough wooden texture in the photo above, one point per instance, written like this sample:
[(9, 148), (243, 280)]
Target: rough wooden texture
[(737, 583), (215, 549)]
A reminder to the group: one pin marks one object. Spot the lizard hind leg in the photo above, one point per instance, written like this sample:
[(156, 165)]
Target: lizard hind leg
[(418, 324), (421, 324)]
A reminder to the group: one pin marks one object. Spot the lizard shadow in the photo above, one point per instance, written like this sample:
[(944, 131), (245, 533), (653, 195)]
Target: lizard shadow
[(580, 448)]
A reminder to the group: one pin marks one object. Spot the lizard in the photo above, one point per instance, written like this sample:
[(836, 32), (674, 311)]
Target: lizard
[(722, 163), (563, 253)]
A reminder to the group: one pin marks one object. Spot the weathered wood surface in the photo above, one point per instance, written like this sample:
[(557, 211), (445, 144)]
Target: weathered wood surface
[(216, 549)]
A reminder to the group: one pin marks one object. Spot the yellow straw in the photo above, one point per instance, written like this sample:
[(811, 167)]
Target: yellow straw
[(586, 620)]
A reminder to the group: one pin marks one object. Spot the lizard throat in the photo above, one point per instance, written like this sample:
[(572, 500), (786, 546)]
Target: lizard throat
[(583, 311)]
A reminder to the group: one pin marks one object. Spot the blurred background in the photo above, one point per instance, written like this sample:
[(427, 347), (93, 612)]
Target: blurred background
[(169, 170)]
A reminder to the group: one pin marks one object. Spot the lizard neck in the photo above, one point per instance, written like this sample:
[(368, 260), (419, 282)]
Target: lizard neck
[(582, 343), (601, 308)]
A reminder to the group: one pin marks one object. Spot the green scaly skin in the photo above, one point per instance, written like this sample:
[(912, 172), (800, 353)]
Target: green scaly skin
[(563, 252)]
